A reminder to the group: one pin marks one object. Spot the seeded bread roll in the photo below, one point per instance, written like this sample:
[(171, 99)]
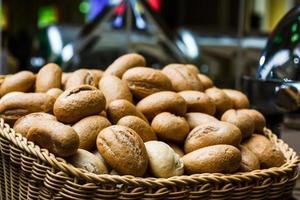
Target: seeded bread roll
[(213, 159), (22, 82), (144, 81), (123, 63), (123, 149)]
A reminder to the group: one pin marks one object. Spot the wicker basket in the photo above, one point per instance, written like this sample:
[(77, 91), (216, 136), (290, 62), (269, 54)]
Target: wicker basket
[(28, 172)]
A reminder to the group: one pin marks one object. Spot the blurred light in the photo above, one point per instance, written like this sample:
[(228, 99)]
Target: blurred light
[(96, 7), (296, 60), (295, 37), (67, 52), (118, 21), (262, 60), (191, 48), (140, 23), (84, 7), (37, 62), (46, 16), (294, 27), (277, 39), (155, 5), (55, 39)]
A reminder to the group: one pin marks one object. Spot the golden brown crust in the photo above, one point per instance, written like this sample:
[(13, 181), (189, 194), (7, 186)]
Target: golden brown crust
[(266, 152), (240, 119), (144, 81), (192, 67), (120, 108), (212, 133), (198, 102), (182, 77), (141, 127), (213, 159), (23, 124), (259, 119), (221, 100), (81, 77), (249, 160), (206, 81), (239, 99), (59, 139), (123, 63), (49, 76), (77, 103), (170, 127), (22, 81), (123, 149), (195, 119), (162, 102), (114, 88), (176, 148), (88, 129), (54, 92)]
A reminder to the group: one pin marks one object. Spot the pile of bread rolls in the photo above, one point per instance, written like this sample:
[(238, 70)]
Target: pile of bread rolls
[(135, 120)]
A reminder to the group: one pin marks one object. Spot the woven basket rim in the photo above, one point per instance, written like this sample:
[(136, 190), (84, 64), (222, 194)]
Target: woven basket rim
[(240, 177)]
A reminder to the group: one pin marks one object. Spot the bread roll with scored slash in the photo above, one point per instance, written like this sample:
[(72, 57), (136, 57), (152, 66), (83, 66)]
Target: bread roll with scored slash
[(123, 63), (18, 104), (163, 160), (159, 102), (81, 77), (49, 76), (144, 81), (114, 88), (213, 159), (59, 139), (182, 77), (78, 102), (212, 133), (123, 149), (22, 82)]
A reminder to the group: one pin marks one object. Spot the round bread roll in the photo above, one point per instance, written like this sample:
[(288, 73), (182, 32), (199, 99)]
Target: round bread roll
[(49, 76), (114, 88), (242, 120), (54, 92), (249, 160), (212, 133), (206, 81), (22, 81), (193, 68), (257, 117), (59, 139), (267, 153), (163, 160), (123, 149), (162, 102), (182, 77), (144, 81), (123, 63), (120, 108), (77, 103), (198, 102), (23, 124), (88, 129), (88, 161), (176, 148), (139, 126), (96, 153), (18, 104), (81, 77), (170, 127), (239, 99), (221, 100), (213, 159), (195, 119)]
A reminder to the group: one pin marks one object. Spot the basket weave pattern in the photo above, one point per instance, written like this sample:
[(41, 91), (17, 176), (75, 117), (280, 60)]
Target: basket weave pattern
[(29, 172)]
